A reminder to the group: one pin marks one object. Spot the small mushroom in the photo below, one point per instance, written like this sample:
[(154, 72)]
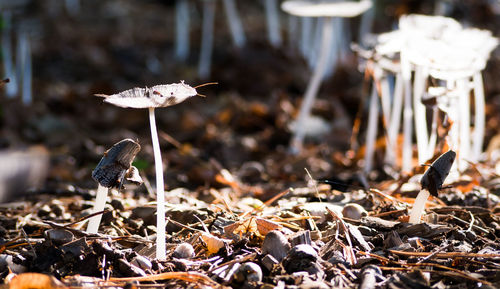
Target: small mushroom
[(111, 172), (431, 182)]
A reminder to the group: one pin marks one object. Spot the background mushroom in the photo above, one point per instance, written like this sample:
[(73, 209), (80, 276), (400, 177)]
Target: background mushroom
[(327, 10)]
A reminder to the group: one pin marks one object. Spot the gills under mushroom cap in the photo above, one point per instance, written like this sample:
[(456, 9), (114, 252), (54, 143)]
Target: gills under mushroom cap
[(151, 97), (326, 9)]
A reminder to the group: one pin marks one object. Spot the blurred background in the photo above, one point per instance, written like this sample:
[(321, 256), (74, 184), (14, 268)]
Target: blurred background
[(57, 54)]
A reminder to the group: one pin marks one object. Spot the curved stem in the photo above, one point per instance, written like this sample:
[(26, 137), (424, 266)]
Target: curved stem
[(313, 86), (160, 190)]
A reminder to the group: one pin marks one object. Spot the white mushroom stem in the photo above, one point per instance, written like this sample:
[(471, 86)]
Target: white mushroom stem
[(273, 22), (293, 31), (99, 204), (306, 33), (160, 190), (207, 39), (394, 124), (11, 89), (72, 6), (407, 114), (479, 117), (419, 206), (25, 64), (421, 74), (366, 24), (464, 123), (313, 86), (182, 24), (371, 134), (235, 26)]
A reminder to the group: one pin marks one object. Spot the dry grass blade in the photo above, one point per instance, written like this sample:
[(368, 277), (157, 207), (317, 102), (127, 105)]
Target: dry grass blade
[(446, 255), (193, 277)]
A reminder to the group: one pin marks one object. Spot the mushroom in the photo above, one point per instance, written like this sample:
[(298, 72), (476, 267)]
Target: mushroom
[(151, 98), (328, 10), (113, 168), (431, 182)]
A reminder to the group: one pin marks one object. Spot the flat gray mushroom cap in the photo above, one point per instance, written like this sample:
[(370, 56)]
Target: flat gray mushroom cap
[(326, 9)]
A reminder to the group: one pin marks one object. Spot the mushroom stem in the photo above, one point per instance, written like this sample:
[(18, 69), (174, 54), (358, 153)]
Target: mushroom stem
[(25, 65), (100, 203), (419, 206), (160, 194), (235, 26), (182, 23), (479, 118), (11, 89), (207, 39), (273, 22), (313, 86)]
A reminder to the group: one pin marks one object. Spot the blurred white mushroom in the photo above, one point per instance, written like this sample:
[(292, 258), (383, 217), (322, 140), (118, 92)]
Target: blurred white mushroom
[(327, 10), (7, 57), (273, 22), (438, 48), (182, 24), (207, 39), (235, 26)]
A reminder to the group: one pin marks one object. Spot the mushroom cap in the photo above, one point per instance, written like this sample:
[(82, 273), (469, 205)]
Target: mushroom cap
[(157, 96), (326, 9)]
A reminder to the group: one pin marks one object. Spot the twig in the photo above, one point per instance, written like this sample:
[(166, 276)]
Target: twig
[(446, 255), (315, 186), (237, 260), (431, 256), (194, 277), (28, 241)]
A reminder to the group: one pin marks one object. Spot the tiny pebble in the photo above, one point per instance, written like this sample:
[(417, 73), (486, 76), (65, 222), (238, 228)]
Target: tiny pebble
[(276, 245), (184, 251), (248, 272), (142, 262), (354, 211)]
